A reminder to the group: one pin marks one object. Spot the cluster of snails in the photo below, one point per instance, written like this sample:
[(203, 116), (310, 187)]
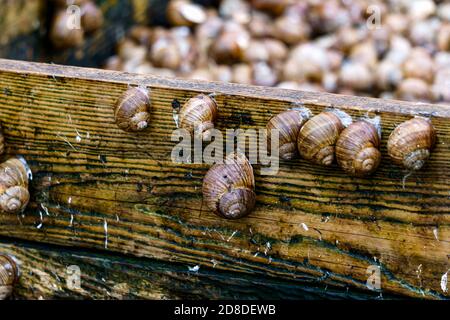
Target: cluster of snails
[(331, 136), (73, 19), (9, 275), (301, 44)]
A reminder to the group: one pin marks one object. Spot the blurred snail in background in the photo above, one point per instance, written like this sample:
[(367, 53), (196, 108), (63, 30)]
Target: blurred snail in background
[(228, 188), (185, 13), (74, 18), (357, 148), (9, 275), (132, 110), (91, 17), (410, 144), (198, 115), (288, 123), (63, 37), (14, 195), (275, 7), (317, 138), (230, 45)]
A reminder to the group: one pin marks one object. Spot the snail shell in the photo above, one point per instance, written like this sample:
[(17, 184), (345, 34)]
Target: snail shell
[(91, 17), (411, 142), (132, 110), (198, 115), (288, 123), (317, 138), (63, 37), (9, 275), (185, 13), (357, 149), (14, 195), (228, 188)]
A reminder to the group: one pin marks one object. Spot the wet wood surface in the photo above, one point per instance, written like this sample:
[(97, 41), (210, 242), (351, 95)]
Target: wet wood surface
[(49, 272), (97, 187)]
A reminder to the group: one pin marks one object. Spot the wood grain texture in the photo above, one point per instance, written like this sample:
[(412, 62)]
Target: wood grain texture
[(45, 274), (310, 223)]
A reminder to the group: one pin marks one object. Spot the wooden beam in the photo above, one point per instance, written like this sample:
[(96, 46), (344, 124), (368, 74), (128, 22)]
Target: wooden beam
[(310, 223), (46, 273)]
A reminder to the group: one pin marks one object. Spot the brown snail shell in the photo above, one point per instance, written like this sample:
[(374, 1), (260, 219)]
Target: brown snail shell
[(63, 37), (198, 115), (357, 149), (228, 188), (411, 142), (14, 195), (91, 17), (317, 138), (9, 275), (275, 7), (288, 123), (132, 110), (185, 13)]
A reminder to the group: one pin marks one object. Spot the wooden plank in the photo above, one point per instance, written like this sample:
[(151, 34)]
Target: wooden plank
[(46, 274), (153, 208)]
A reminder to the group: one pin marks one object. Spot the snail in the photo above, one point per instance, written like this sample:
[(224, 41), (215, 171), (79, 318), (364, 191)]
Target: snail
[(318, 136), (14, 195), (275, 7), (228, 188), (198, 115), (9, 275), (231, 43), (62, 35), (132, 110), (288, 123), (2, 141), (411, 142), (91, 17), (357, 148), (185, 13)]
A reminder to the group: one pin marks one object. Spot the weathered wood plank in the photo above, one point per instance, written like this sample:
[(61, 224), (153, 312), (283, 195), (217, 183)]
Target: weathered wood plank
[(46, 274), (153, 208)]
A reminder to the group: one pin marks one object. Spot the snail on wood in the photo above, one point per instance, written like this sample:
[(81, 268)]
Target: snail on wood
[(9, 275), (198, 115), (288, 123), (14, 195), (317, 137), (411, 142), (228, 188), (357, 149), (132, 110)]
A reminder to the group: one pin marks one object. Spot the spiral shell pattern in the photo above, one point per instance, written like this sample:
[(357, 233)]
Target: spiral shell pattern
[(198, 115), (411, 142), (357, 149), (14, 195), (317, 138), (9, 275), (132, 110), (288, 124), (228, 188)]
